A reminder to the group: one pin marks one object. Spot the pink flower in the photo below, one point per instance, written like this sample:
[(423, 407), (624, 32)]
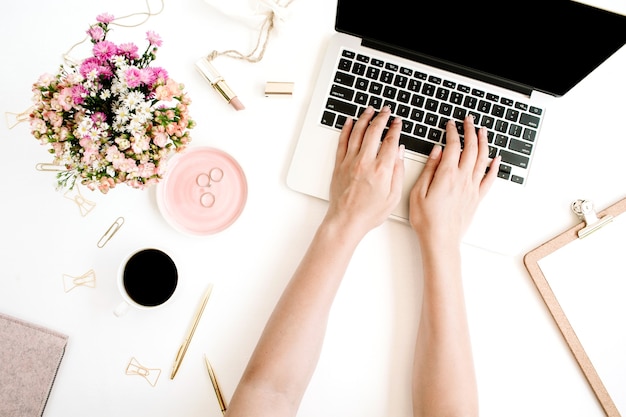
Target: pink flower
[(160, 139), (147, 76), (133, 77), (105, 18), (99, 117), (65, 99), (78, 94), (129, 50), (96, 33), (154, 38), (104, 50)]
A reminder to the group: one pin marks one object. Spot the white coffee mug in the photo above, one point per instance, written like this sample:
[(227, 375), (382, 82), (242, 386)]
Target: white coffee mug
[(147, 278)]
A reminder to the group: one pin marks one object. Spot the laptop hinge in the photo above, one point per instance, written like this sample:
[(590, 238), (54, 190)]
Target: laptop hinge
[(448, 66)]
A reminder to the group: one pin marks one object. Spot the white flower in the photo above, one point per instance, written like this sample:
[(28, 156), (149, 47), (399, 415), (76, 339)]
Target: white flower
[(133, 99), (105, 94)]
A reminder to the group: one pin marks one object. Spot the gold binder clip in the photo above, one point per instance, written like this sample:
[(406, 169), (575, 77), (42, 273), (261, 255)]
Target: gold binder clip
[(585, 211), (88, 279), (85, 206), (111, 231), (17, 118), (149, 374)]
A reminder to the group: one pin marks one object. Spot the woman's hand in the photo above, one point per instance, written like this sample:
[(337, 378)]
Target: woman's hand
[(367, 178), (449, 189)]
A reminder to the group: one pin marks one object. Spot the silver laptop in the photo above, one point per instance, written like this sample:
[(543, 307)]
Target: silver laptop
[(431, 61)]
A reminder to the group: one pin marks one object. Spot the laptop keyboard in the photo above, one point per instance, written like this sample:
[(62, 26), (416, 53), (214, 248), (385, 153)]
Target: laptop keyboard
[(426, 102)]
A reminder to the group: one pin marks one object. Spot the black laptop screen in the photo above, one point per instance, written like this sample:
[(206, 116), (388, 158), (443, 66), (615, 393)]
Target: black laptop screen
[(546, 45)]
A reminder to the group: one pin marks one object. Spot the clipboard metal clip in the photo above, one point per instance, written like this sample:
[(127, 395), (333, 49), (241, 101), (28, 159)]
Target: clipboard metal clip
[(585, 211)]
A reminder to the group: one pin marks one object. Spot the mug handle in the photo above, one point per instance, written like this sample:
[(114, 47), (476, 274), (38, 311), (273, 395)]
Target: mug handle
[(121, 309)]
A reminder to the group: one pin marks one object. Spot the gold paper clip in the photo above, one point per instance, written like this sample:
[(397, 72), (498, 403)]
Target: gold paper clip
[(43, 166), (149, 374), (585, 211), (18, 118), (111, 231), (85, 206), (88, 279)]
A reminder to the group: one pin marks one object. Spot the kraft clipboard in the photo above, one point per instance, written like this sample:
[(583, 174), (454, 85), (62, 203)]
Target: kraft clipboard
[(581, 276)]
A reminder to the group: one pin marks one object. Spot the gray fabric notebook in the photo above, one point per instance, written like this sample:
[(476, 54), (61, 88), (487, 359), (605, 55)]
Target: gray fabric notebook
[(30, 356)]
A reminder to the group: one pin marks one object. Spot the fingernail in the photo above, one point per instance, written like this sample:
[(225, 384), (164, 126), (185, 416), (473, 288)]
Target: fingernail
[(386, 109), (434, 153)]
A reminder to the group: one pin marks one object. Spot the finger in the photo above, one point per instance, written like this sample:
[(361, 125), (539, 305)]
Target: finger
[(453, 145), (371, 139), (489, 178), (428, 172), (342, 144), (470, 146), (355, 138), (388, 151), (397, 180), (482, 154)]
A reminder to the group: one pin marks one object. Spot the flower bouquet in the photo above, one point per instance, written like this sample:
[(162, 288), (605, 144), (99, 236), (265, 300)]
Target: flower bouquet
[(112, 118)]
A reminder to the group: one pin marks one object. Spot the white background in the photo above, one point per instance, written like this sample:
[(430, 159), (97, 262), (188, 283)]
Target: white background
[(523, 365)]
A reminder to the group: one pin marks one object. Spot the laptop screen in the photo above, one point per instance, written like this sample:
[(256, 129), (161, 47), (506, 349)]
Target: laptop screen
[(545, 45)]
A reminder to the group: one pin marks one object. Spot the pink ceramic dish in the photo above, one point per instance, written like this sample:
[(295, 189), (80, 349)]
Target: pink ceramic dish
[(203, 192)]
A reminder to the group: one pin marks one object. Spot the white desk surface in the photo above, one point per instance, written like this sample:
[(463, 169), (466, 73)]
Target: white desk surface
[(524, 367)]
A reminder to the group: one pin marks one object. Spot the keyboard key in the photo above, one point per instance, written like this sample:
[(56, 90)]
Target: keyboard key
[(404, 96), (386, 77), (415, 85), (372, 73), (417, 115), (389, 92), (456, 98), (342, 92), (428, 89), (376, 88), (417, 100), (403, 111), (521, 146), (358, 68), (416, 145), (514, 159), (501, 140), (328, 118), (497, 110), (515, 130), (420, 130), (511, 115), (434, 134), (434, 80), (529, 120), (344, 78), (361, 84), (345, 64), (400, 81), (431, 104), (348, 54), (529, 134), (361, 98), (341, 106)]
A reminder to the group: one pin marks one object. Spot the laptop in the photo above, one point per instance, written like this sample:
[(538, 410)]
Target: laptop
[(431, 61)]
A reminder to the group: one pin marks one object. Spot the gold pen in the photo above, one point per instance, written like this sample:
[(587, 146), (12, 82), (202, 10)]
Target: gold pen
[(183, 348), (216, 385)]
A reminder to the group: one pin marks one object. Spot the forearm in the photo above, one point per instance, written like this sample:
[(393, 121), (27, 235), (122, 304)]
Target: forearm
[(444, 382), (289, 348)]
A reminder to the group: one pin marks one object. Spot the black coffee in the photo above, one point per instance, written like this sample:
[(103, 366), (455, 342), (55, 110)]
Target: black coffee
[(150, 277)]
